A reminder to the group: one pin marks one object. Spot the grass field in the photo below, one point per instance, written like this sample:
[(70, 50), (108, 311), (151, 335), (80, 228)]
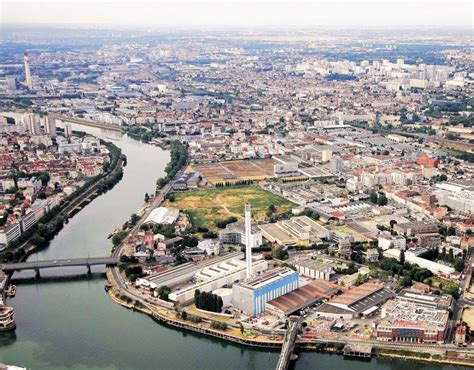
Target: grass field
[(206, 206)]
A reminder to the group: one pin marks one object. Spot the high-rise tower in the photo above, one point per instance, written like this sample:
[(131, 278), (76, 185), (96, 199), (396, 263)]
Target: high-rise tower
[(26, 60), (248, 240)]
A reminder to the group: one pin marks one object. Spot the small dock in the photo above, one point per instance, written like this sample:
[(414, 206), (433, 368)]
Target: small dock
[(358, 350)]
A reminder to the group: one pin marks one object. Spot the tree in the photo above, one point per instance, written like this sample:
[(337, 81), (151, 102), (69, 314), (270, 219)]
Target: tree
[(373, 197), (184, 315), (458, 264), (164, 292), (279, 253), (382, 200), (406, 281), (402, 257), (118, 237), (360, 279), (134, 218), (241, 329), (271, 210)]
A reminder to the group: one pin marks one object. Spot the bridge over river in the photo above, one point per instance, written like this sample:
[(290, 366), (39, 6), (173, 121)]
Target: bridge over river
[(38, 265)]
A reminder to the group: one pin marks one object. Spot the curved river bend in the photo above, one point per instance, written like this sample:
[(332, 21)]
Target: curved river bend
[(71, 323)]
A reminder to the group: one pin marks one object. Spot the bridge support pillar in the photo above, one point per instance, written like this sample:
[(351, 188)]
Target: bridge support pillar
[(89, 272), (37, 273)]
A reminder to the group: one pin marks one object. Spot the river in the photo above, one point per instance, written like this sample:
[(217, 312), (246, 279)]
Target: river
[(71, 323)]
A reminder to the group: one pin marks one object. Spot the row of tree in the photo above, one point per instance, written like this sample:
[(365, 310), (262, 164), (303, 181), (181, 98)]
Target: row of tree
[(223, 223), (207, 301), (233, 183), (179, 157), (379, 199)]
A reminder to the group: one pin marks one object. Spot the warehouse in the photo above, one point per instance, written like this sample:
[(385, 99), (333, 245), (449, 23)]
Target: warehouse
[(314, 268), (354, 302), (304, 296), (300, 230), (162, 216)]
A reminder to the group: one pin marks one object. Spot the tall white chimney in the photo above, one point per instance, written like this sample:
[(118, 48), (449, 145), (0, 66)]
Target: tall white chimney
[(248, 240)]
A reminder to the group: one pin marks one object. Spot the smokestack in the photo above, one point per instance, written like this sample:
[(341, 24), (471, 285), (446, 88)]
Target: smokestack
[(248, 240), (26, 61)]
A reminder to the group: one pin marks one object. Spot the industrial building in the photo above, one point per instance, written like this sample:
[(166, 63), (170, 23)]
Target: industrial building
[(404, 321), (251, 295), (440, 302), (234, 233), (300, 230), (417, 227), (162, 216), (315, 268), (389, 241), (304, 296), (362, 300), (217, 276)]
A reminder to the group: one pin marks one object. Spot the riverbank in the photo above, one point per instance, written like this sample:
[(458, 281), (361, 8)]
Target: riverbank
[(34, 239), (169, 318)]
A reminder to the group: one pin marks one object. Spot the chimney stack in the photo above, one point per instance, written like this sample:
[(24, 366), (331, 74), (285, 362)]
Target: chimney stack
[(248, 240)]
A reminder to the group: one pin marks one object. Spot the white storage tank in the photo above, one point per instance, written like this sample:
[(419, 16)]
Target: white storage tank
[(225, 294)]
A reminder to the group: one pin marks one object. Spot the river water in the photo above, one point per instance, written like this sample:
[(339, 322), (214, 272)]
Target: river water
[(71, 323)]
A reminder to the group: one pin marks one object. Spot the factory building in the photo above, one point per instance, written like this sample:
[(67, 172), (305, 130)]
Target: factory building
[(251, 295), (315, 268), (304, 296), (412, 322), (300, 230), (362, 300), (234, 233), (217, 276)]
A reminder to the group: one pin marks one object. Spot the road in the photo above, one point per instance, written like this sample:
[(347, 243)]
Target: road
[(155, 202), (461, 301), (35, 265)]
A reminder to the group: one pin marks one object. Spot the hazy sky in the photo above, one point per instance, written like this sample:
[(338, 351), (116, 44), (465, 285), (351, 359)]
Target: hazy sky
[(238, 13)]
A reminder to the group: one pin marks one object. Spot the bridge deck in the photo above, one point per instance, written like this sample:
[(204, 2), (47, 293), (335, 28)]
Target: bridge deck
[(289, 343), (35, 265)]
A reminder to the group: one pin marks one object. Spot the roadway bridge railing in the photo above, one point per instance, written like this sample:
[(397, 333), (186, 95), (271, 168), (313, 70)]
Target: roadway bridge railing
[(37, 265)]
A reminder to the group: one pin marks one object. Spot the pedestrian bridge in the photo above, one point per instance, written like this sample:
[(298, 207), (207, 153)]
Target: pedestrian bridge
[(38, 265)]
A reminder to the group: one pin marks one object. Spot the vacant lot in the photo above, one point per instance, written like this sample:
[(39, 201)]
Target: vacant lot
[(233, 171), (207, 206)]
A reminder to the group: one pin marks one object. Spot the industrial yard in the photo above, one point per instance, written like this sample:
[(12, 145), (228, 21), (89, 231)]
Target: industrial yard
[(234, 171)]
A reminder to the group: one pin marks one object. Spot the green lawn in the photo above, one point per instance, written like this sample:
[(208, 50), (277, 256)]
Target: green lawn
[(206, 206)]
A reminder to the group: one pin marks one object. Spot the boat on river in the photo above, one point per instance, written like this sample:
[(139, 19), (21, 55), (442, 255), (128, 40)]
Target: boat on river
[(7, 319)]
